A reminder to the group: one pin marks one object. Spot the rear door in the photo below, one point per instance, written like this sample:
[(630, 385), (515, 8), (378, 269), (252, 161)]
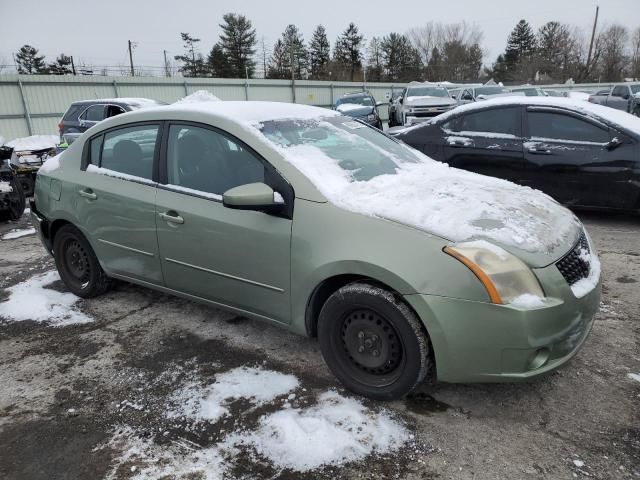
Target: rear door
[(487, 141), (115, 200), (92, 115), (237, 258), (569, 157)]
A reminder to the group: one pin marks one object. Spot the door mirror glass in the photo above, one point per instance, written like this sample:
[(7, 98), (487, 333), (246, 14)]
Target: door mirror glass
[(625, 96), (253, 196)]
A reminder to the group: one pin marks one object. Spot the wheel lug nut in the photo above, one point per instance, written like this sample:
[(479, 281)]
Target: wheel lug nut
[(375, 353), (360, 349)]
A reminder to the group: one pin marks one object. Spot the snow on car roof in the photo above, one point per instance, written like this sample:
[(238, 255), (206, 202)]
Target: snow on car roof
[(611, 115), (255, 112), (128, 100)]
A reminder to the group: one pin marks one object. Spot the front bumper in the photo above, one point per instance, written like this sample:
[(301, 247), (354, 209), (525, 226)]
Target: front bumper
[(425, 113), (484, 342)]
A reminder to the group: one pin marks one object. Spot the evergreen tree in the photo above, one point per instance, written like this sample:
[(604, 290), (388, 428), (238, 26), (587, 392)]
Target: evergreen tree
[(434, 65), (193, 64), (61, 66), (238, 41), (347, 52), (520, 52), (557, 50), (218, 63), (401, 61), (289, 47), (319, 53), (29, 61)]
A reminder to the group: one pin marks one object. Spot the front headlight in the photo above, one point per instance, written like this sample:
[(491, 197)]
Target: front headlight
[(371, 117), (505, 277)]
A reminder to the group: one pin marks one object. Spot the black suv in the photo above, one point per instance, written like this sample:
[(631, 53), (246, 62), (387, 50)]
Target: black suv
[(82, 115), (360, 105)]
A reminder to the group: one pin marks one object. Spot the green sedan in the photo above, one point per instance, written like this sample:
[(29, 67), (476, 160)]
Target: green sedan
[(401, 266)]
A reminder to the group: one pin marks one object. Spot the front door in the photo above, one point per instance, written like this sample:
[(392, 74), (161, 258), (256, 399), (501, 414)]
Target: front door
[(115, 201), (237, 258), (571, 158), (91, 116), (487, 142)]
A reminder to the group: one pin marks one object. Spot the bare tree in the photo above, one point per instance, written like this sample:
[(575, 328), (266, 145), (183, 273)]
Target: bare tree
[(634, 67), (613, 43)]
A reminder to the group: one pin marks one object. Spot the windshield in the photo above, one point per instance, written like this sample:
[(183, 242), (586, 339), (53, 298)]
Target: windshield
[(359, 151), (530, 92), (427, 92), (364, 100), (491, 90)]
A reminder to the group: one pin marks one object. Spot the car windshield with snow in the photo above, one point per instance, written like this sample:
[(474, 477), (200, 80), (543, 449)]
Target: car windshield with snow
[(403, 267)]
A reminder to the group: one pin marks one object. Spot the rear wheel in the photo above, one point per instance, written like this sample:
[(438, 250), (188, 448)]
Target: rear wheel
[(372, 342), (636, 111), (77, 264)]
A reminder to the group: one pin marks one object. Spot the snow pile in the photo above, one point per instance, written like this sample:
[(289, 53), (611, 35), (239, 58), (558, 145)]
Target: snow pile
[(335, 431), (634, 376), (148, 461), (18, 233), (34, 142), (255, 384), (198, 97), (51, 164), (585, 285), (5, 187), (31, 300), (451, 203), (527, 300)]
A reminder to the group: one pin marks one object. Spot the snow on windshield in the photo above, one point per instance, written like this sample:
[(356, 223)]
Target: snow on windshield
[(364, 171)]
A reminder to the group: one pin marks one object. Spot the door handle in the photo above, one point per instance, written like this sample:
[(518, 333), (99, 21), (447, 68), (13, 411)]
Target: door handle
[(539, 151), (88, 193), (171, 217)]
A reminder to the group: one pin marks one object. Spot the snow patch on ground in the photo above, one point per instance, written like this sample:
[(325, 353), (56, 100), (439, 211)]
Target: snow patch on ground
[(634, 376), (34, 142), (31, 300), (147, 461), (198, 97), (209, 403), (18, 233), (334, 431)]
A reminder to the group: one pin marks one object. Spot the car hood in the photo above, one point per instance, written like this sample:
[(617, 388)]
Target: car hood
[(461, 206), (353, 110), (428, 101)]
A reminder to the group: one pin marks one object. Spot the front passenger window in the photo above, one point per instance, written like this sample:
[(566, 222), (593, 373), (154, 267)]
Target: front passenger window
[(208, 161)]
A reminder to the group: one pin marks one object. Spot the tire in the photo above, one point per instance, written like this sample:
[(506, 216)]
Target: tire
[(77, 264), (372, 342), (17, 202), (636, 111)]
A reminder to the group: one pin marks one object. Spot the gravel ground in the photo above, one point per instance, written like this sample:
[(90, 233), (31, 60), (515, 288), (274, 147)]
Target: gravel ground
[(68, 392)]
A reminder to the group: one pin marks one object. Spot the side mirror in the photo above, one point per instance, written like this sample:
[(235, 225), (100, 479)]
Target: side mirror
[(253, 196), (453, 96), (625, 96), (614, 143)]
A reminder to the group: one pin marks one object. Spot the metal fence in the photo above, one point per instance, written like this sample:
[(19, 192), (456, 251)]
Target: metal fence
[(33, 104)]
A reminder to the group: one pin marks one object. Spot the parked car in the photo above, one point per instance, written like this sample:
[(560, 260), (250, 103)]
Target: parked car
[(26, 156), (395, 105), (530, 91), (84, 114), (12, 198), (292, 214), (361, 105), (621, 97), (421, 101), (582, 155), (473, 94)]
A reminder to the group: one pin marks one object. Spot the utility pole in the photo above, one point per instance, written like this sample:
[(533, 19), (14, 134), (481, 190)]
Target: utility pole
[(167, 71), (293, 74), (593, 34), (73, 66), (264, 58), (131, 59)]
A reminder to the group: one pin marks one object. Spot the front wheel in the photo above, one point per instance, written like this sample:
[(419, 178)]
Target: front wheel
[(372, 342), (77, 264)]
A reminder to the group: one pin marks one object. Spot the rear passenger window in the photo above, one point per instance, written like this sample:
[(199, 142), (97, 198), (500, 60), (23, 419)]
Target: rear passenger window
[(565, 127), (95, 113), (496, 120), (129, 150)]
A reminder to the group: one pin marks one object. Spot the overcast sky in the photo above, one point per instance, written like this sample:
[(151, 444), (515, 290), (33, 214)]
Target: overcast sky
[(97, 31)]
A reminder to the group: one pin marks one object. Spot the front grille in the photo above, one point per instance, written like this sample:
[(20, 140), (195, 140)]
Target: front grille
[(574, 266)]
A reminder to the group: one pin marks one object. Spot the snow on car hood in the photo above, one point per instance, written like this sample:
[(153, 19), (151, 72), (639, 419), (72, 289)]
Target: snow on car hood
[(447, 202), (354, 110), (428, 101)]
